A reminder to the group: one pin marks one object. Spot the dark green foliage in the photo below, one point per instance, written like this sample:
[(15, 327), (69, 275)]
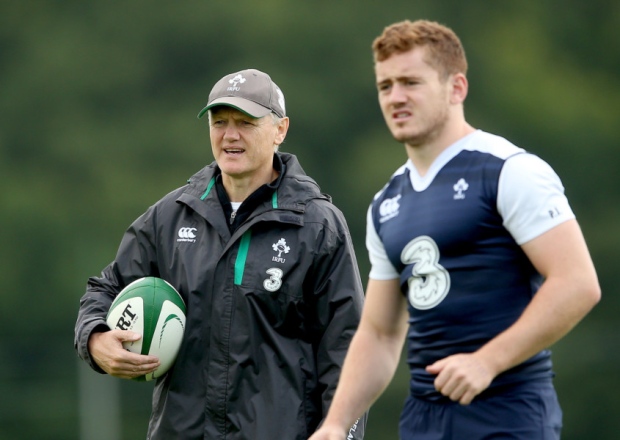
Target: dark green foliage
[(98, 120)]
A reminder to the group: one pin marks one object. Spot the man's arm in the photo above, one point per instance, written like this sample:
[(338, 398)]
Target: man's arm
[(101, 348), (371, 360), (569, 292)]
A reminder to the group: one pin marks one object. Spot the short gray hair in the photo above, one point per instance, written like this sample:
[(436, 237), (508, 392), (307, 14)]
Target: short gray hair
[(276, 120)]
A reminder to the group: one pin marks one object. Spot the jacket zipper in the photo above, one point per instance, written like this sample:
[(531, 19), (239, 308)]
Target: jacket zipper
[(232, 217)]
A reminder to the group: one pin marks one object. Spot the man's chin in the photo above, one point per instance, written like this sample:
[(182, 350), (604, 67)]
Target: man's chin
[(409, 138)]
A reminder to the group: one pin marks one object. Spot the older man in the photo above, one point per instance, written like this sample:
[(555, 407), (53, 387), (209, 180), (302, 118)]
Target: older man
[(271, 284)]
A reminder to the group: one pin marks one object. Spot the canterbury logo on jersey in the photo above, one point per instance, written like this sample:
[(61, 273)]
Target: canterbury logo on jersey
[(389, 208), (187, 235)]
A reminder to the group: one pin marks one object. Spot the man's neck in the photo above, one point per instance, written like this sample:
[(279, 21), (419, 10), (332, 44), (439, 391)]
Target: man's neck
[(240, 188), (422, 156)]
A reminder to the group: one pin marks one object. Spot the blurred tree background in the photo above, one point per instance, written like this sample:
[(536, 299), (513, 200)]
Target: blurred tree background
[(98, 120)]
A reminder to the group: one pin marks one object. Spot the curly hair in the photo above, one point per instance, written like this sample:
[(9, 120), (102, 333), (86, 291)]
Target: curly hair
[(445, 52)]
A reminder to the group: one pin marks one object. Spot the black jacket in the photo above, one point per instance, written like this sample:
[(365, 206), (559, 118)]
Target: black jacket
[(271, 308)]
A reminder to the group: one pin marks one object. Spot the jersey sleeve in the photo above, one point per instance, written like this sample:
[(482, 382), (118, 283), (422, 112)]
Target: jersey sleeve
[(531, 197), (381, 267)]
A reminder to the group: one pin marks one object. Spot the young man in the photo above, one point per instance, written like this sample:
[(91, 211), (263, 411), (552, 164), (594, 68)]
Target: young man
[(270, 281), (477, 261)]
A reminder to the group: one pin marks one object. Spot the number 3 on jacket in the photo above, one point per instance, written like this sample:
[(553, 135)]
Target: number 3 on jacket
[(274, 282)]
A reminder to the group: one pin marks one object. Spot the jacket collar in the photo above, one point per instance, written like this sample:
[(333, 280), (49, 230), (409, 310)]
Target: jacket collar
[(294, 188)]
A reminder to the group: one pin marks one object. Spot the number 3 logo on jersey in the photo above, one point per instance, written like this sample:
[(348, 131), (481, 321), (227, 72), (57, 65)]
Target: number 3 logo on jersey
[(430, 281)]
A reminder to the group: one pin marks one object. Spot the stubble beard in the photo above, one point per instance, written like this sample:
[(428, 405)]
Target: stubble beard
[(429, 132)]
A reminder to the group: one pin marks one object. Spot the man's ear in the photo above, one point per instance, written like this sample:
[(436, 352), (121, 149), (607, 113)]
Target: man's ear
[(282, 130), (460, 86)]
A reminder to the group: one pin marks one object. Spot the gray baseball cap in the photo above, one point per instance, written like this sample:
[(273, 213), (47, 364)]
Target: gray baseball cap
[(250, 91)]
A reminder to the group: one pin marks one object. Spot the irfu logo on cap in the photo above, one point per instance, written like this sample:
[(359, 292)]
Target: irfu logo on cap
[(238, 79)]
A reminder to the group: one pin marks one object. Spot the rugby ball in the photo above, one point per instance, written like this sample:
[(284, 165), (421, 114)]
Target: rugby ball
[(153, 308)]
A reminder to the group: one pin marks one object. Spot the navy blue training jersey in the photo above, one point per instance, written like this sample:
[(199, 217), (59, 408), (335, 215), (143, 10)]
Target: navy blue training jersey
[(453, 239)]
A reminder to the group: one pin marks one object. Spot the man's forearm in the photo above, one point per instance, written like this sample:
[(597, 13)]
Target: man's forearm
[(368, 369)]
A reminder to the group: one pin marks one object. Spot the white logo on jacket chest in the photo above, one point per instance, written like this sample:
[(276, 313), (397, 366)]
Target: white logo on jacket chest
[(280, 247), (187, 235), (274, 282)]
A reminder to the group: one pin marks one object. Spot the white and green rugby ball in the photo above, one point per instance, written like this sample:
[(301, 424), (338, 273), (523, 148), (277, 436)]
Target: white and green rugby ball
[(153, 308)]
